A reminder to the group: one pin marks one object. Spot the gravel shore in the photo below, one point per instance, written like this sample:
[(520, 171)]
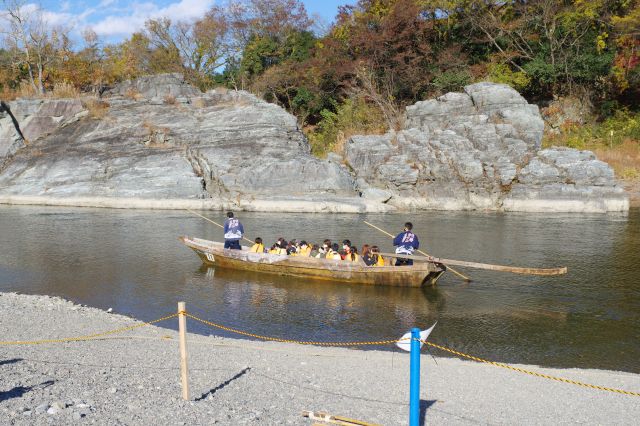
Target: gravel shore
[(134, 378)]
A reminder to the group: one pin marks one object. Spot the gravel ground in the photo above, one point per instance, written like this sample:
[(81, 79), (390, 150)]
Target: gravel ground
[(133, 378)]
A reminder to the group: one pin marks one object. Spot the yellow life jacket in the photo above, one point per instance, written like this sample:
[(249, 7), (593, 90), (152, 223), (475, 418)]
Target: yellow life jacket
[(334, 255), (380, 261), (257, 248), (305, 252), (356, 257), (278, 250)]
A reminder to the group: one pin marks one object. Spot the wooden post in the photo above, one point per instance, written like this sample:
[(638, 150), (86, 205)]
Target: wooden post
[(182, 329)]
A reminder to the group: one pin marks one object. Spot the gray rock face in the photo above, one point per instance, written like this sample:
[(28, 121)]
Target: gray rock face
[(224, 145), (37, 118), (481, 150), (161, 142), (156, 87)]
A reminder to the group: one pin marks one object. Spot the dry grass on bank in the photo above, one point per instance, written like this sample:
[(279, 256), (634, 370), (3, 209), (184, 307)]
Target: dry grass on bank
[(64, 89), (97, 109), (60, 90), (624, 158), (616, 141)]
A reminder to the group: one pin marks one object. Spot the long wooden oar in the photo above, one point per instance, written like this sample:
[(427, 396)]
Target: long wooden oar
[(215, 223), (460, 274), (487, 266)]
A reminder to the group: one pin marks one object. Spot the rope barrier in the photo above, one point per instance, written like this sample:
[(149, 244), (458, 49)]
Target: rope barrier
[(529, 372), (300, 342), (443, 348), (315, 343), (87, 337)]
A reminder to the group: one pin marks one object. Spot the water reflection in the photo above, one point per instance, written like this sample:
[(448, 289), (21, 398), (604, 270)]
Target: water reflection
[(324, 308)]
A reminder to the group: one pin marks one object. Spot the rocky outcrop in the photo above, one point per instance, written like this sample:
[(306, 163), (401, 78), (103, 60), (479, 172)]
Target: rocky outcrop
[(159, 142), (37, 118), (157, 89), (479, 150), (162, 139)]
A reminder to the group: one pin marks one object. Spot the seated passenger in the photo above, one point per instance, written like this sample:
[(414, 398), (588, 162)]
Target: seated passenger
[(304, 249), (378, 260), (292, 249), (258, 247), (351, 254), (315, 251), (345, 245), (326, 247), (367, 256), (333, 252), (279, 247)]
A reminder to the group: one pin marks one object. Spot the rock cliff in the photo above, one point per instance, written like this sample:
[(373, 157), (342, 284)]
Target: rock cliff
[(158, 138), (479, 150), (159, 142)]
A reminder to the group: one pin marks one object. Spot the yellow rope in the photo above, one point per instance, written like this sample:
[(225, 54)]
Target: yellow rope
[(443, 348), (300, 342), (88, 337), (531, 373), (277, 339)]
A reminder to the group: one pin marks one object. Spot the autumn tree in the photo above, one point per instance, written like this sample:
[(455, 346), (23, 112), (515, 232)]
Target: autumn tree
[(33, 44), (561, 46), (264, 33), (197, 48), (626, 66)]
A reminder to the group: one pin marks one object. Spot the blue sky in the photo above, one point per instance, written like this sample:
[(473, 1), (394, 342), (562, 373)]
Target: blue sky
[(114, 20)]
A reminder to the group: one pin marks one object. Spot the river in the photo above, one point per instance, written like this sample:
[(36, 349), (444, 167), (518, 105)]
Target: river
[(132, 261)]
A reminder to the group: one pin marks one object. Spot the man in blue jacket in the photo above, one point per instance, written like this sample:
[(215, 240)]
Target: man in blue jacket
[(233, 231), (406, 242)]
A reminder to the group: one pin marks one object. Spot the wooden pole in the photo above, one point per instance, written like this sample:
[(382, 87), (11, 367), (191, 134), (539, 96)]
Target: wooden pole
[(182, 329), (487, 266), (460, 274)]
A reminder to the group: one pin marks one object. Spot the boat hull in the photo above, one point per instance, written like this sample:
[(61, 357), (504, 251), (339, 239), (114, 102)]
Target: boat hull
[(213, 253)]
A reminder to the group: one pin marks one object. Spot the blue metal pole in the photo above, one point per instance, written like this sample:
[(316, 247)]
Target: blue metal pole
[(414, 393)]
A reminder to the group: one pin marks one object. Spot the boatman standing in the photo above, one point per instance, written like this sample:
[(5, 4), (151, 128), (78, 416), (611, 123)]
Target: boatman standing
[(406, 242), (233, 231)]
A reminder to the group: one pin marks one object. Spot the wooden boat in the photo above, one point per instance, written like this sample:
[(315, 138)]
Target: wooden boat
[(214, 253)]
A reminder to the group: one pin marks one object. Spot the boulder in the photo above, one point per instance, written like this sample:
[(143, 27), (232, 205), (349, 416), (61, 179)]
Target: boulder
[(51, 115), (37, 118), (156, 87), (477, 150)]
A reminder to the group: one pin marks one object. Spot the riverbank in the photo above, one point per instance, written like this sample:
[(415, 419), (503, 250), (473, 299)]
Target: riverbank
[(133, 378), (288, 205), (332, 204)]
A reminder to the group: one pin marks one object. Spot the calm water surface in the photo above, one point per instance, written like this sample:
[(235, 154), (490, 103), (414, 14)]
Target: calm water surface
[(132, 262)]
